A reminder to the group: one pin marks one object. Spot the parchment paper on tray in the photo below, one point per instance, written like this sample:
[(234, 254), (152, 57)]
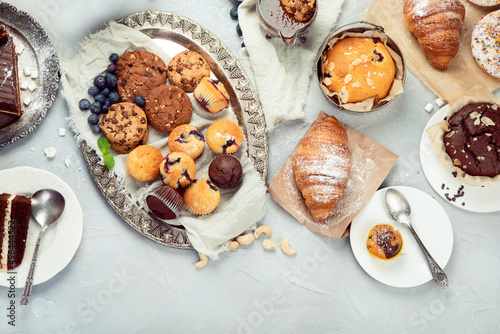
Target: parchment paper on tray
[(370, 164), (462, 73)]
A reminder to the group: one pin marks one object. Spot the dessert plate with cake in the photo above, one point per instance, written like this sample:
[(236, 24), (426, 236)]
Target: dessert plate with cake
[(60, 241), (473, 188), (29, 74), (397, 260)]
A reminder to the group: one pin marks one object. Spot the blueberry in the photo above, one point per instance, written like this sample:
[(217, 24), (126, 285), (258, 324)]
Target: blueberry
[(114, 58), (100, 81), (114, 97), (93, 119), (84, 104), (96, 107), (111, 68), (242, 45), (105, 109), (234, 12), (96, 129), (105, 91), (112, 82), (238, 30), (100, 98), (93, 91), (140, 101)]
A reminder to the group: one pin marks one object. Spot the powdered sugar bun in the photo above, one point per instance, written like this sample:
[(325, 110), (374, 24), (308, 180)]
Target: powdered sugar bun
[(486, 43), (485, 3)]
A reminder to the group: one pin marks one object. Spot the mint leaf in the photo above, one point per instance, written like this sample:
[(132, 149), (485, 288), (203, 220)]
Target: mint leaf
[(103, 144), (109, 161)]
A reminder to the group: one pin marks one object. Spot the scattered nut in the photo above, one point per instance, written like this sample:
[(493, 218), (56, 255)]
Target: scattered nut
[(262, 229), (268, 244), (203, 261), (232, 245), (285, 247), (245, 239)]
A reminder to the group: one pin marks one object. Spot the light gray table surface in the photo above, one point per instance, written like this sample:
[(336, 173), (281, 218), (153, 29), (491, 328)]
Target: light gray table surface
[(122, 282)]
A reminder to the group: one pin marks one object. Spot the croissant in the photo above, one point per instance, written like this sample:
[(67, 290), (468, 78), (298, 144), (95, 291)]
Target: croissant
[(437, 24), (321, 167)]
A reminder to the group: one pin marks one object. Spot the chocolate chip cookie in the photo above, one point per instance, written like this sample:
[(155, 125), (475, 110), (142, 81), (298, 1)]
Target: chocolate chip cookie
[(300, 10), (168, 107), (126, 127), (187, 69), (138, 72)]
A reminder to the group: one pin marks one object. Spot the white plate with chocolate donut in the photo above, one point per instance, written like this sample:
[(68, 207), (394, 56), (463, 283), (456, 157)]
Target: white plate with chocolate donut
[(409, 268), (444, 183), (60, 241)]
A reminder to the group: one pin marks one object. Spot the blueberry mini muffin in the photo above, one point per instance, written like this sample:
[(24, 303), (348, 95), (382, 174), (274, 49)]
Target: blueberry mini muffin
[(226, 172), (167, 107), (164, 203), (186, 69), (384, 242), (138, 72), (224, 137), (143, 162), (212, 95), (177, 170), (356, 69), (186, 138), (126, 127), (201, 197)]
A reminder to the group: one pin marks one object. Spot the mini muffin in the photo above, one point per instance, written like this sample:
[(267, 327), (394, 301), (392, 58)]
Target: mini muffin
[(486, 43), (186, 138), (201, 197), (168, 107), (186, 69), (126, 127), (143, 162), (177, 170), (224, 137), (226, 172), (138, 72), (358, 68), (384, 242), (212, 95), (164, 203)]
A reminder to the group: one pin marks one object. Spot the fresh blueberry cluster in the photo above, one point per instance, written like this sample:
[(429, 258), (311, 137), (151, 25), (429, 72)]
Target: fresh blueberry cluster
[(234, 15), (104, 93)]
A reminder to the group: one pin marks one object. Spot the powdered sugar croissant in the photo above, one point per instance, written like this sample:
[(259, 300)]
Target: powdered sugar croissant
[(437, 24), (321, 166)]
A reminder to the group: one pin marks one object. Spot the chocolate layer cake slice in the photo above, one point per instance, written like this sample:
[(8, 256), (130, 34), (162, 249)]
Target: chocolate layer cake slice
[(14, 221), (10, 104)]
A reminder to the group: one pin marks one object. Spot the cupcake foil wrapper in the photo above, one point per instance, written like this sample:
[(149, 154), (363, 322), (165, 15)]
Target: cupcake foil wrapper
[(170, 198)]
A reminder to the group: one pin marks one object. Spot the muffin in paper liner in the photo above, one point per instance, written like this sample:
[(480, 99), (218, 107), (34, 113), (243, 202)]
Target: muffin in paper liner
[(164, 203), (437, 132), (373, 242), (212, 95)]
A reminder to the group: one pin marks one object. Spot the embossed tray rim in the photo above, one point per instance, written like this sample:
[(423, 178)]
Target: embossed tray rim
[(159, 24)]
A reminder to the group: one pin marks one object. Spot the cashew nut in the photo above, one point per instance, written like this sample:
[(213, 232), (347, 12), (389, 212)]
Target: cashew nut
[(245, 239), (262, 229), (268, 244), (203, 261), (285, 247), (232, 245)]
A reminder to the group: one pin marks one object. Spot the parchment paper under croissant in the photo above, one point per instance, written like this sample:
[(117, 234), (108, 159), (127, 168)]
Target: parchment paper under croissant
[(462, 72), (370, 164)]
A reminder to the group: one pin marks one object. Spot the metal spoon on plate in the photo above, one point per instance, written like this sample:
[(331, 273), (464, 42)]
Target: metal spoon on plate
[(47, 205), (399, 210)]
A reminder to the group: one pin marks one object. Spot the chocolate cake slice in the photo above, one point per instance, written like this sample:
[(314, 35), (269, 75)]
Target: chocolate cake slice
[(14, 222), (10, 104)]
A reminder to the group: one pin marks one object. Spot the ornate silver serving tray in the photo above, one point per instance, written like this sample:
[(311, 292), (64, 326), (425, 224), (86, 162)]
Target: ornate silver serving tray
[(37, 53), (244, 101)]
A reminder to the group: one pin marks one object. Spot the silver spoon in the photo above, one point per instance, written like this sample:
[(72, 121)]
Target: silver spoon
[(400, 211), (47, 205)]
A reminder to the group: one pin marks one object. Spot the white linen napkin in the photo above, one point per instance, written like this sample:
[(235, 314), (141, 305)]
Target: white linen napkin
[(282, 73), (235, 213)]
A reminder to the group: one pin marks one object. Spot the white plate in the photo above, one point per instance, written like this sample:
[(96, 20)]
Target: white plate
[(410, 268), (476, 199), (60, 241)]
